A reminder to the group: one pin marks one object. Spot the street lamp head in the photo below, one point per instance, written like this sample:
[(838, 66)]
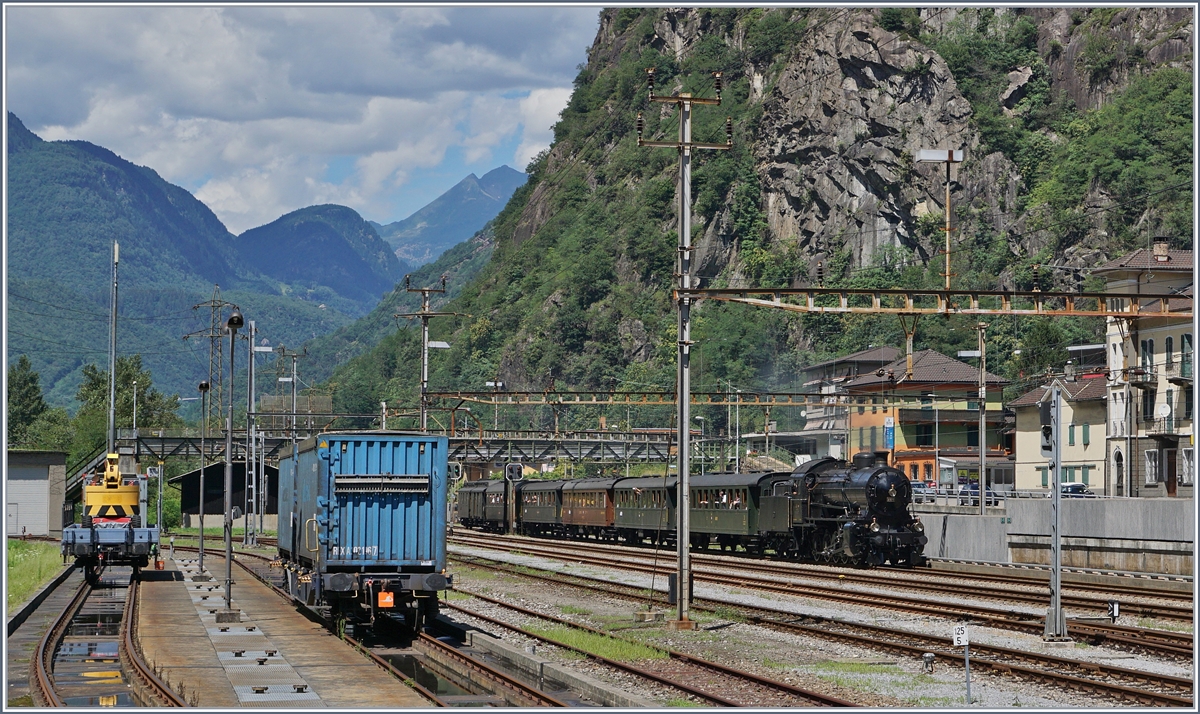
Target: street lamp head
[(203, 386), (235, 321)]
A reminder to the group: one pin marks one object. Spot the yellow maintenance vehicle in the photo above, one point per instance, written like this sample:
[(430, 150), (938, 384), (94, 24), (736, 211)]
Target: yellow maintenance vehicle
[(112, 530)]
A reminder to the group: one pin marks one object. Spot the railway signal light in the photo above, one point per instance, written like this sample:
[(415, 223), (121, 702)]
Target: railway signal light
[(1114, 610), (1046, 419)]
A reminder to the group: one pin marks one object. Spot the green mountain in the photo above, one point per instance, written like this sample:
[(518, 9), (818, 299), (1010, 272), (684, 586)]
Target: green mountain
[(69, 200), (323, 253), (1076, 125), (459, 265), (453, 217)]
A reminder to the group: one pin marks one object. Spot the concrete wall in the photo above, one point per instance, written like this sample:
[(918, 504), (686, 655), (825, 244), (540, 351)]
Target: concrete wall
[(1124, 518), (1138, 535), (966, 537)]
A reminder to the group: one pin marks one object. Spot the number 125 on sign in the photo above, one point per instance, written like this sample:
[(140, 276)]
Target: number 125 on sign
[(960, 636)]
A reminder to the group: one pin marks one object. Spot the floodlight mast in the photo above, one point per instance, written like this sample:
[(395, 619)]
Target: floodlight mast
[(684, 146)]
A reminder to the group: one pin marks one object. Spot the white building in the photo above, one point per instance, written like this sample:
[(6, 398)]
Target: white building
[(34, 489), (1150, 395)]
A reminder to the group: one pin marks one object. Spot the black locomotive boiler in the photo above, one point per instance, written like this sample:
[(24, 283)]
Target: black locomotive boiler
[(856, 512)]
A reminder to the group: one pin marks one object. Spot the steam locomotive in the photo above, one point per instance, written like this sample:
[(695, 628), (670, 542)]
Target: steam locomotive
[(826, 510)]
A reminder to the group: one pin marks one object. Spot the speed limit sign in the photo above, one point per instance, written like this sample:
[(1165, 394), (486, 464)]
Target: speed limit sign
[(960, 636)]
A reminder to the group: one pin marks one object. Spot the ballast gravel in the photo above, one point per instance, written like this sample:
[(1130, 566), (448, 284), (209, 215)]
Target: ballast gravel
[(850, 672)]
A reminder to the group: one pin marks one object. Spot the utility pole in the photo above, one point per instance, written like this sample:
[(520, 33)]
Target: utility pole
[(684, 146), (982, 327), (112, 357), (235, 322), (214, 333), (251, 477), (424, 314), (1051, 420)]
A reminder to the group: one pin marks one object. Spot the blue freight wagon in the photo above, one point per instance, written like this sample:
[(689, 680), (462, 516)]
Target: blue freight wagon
[(362, 528)]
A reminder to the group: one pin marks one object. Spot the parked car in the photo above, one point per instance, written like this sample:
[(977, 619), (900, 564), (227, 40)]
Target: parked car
[(922, 492), (1075, 490), (969, 496)]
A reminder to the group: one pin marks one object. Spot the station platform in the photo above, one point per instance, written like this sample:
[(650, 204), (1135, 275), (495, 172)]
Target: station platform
[(286, 660)]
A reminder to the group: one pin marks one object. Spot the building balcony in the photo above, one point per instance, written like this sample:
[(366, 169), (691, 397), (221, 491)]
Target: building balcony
[(1180, 372), (1165, 426), (1143, 377)]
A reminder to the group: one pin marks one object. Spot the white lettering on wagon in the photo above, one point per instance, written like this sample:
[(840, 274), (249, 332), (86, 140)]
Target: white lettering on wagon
[(342, 551)]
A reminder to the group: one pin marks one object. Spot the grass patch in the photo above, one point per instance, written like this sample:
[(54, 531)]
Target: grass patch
[(1168, 626), (684, 703), (775, 664), (456, 595), (858, 668), (22, 701), (31, 564), (573, 610), (938, 702), (608, 647)]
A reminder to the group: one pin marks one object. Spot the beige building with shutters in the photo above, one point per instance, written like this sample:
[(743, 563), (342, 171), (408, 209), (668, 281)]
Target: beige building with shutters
[(1151, 450), (1083, 437)]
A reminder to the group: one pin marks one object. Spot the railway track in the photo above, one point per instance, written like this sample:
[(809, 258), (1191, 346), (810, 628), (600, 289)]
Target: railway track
[(73, 664), (707, 569), (738, 688), (512, 690), (1119, 683)]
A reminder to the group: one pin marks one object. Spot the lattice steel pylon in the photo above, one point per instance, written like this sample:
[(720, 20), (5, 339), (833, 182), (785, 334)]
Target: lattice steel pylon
[(214, 333)]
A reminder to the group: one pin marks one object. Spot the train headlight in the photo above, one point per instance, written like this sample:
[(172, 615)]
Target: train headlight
[(874, 527), (919, 526)]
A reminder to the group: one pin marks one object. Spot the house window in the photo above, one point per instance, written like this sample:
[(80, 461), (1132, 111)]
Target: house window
[(1045, 476), (1187, 404), (972, 437), (1147, 354), (1189, 464), (1169, 349), (873, 443), (1151, 465), (924, 434), (1148, 396), (928, 472), (1070, 435), (861, 443), (1084, 470), (912, 470), (1087, 433)]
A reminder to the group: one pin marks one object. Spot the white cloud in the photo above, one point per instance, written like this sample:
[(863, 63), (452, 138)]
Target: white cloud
[(250, 106), (539, 113)]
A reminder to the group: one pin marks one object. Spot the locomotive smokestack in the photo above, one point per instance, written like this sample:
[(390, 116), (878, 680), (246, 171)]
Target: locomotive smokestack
[(863, 460), (881, 458)]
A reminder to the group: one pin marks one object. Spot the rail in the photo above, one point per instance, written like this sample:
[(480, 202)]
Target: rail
[(132, 659), (43, 658)]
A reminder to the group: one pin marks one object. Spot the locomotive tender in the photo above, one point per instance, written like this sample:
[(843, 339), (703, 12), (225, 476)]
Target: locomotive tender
[(362, 530), (826, 510)]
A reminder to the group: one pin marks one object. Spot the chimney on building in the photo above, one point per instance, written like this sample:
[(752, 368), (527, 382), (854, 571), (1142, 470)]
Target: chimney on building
[(1069, 371), (1162, 246)]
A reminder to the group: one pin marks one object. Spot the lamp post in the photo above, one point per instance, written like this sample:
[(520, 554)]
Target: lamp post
[(235, 321), (203, 430), (947, 157), (701, 449)]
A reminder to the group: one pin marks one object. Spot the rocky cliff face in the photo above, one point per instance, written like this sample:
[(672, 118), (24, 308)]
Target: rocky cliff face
[(829, 107)]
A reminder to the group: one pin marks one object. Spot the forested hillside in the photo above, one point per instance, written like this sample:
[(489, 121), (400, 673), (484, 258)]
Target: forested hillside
[(69, 200), (1077, 126)]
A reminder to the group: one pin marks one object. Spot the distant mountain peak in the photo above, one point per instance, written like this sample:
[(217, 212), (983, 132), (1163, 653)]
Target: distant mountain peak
[(453, 217)]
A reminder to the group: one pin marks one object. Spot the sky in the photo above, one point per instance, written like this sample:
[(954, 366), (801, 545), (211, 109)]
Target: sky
[(259, 111)]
